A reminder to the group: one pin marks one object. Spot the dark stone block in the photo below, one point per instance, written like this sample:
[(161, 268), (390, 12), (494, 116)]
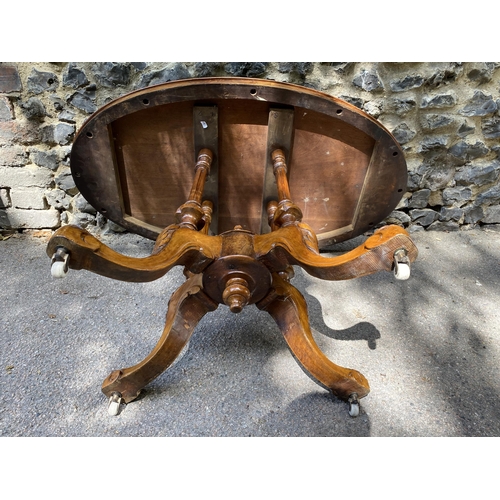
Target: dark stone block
[(398, 217), (47, 159), (489, 197), (33, 109), (313, 84), (403, 133), (248, 69), (479, 175), (41, 81), (438, 101), (83, 101), (82, 205), (368, 81), (67, 116), (492, 215), (47, 134), (355, 101), (491, 128), (433, 121), (65, 182), (57, 102), (434, 176), (205, 69), (407, 83), (171, 73), (420, 199), (482, 73), (259, 69), (459, 195), (304, 68), (286, 67), (437, 177), (402, 106), (74, 77), (480, 105), (139, 66), (467, 152), (111, 74), (451, 214), (465, 129), (61, 134), (442, 76), (424, 217), (473, 215), (340, 67), (414, 181), (301, 68), (433, 143), (9, 79)]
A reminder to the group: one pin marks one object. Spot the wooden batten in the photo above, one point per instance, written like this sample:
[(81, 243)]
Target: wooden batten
[(279, 135)]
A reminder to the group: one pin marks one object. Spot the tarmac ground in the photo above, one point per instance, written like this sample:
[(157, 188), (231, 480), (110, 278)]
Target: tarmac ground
[(429, 346)]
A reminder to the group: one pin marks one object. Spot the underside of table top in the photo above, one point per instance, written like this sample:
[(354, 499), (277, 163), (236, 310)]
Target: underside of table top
[(133, 159)]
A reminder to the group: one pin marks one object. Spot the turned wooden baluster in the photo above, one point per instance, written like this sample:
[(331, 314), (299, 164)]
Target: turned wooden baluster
[(208, 208), (285, 212), (191, 214)]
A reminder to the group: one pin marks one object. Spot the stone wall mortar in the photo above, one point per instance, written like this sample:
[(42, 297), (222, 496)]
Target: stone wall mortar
[(445, 116)]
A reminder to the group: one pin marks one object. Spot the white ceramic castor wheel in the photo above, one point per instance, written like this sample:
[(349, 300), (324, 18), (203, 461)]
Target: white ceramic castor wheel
[(115, 400), (58, 269), (60, 262), (353, 405), (401, 270), (401, 264)]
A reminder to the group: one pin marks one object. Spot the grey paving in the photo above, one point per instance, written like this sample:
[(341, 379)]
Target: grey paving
[(429, 346)]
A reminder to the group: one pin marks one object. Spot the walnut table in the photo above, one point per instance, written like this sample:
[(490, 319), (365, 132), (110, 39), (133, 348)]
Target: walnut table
[(237, 180)]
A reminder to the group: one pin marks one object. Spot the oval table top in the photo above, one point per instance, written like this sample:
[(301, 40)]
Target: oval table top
[(133, 160)]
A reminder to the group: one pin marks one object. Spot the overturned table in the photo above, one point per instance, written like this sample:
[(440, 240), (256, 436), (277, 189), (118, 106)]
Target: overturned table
[(280, 172)]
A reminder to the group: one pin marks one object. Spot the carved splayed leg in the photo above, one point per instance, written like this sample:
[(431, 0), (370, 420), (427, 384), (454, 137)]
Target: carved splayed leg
[(288, 308), (186, 308)]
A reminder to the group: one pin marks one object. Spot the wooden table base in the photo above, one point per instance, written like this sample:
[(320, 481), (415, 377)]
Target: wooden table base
[(236, 268)]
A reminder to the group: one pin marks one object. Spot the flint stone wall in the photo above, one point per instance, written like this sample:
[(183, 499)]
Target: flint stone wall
[(445, 116)]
